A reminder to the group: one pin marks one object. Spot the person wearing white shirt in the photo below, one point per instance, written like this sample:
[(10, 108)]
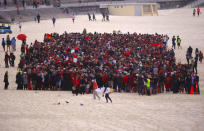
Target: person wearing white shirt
[(107, 92)]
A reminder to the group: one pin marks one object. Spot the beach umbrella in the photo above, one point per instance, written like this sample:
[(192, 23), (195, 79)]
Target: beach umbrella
[(22, 37)]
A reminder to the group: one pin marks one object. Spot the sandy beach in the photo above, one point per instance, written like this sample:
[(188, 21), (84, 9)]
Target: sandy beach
[(38, 110)]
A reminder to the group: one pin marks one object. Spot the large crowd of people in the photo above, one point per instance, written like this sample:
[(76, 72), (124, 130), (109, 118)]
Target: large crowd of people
[(140, 63)]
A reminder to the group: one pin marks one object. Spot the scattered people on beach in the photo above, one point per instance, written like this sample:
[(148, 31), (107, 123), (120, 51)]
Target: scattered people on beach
[(200, 56), (107, 17), (194, 12), (198, 11), (107, 91), (13, 44), (6, 81), (94, 17), (19, 26), (73, 18), (127, 62), (178, 41), (174, 42), (104, 17), (35, 4), (5, 4), (38, 17), (89, 16), (96, 90), (3, 43), (8, 42), (53, 21), (23, 4), (6, 60)]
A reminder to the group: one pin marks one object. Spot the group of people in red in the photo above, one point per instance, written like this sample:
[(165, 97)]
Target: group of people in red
[(125, 62)]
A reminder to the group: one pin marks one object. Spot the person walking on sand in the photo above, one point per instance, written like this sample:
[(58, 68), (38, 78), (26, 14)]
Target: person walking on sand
[(19, 26), (13, 44), (38, 17), (73, 18), (194, 12), (7, 59), (107, 92), (53, 21), (94, 17), (198, 11), (8, 42), (6, 80), (173, 42), (178, 42), (89, 16), (95, 89), (3, 43), (200, 56)]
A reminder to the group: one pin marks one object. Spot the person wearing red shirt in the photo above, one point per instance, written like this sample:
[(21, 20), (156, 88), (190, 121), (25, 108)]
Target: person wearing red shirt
[(198, 11)]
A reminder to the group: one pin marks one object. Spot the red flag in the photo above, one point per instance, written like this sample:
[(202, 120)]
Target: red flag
[(156, 45), (191, 91)]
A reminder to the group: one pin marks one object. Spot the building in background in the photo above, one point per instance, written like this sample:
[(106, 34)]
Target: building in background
[(132, 9)]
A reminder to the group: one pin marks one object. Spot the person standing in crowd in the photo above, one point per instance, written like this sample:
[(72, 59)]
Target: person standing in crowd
[(23, 4), (89, 16), (6, 80), (53, 21), (148, 87), (140, 85), (195, 65), (196, 85), (174, 42), (19, 80), (8, 42), (6, 59), (194, 12), (165, 40), (198, 11), (175, 83), (190, 51), (94, 17), (13, 44), (196, 55), (200, 56), (188, 57), (178, 42), (25, 81), (38, 17), (12, 59), (5, 4), (3, 43)]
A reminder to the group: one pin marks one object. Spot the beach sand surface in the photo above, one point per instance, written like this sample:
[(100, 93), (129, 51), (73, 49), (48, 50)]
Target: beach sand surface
[(38, 110)]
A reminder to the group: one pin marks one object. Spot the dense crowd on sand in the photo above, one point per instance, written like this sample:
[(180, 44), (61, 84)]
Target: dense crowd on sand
[(140, 63)]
